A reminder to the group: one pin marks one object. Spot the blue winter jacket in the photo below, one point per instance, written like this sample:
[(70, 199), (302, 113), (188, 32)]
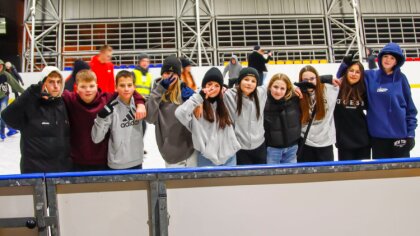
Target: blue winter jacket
[(391, 112)]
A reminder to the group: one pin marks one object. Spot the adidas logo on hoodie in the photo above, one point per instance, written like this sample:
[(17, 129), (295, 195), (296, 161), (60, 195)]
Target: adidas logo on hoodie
[(129, 120)]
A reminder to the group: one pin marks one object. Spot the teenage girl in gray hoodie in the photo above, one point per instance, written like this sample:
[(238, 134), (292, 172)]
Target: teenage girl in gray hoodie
[(173, 139), (246, 105), (213, 133)]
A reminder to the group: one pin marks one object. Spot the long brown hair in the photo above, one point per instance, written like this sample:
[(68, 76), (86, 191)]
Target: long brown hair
[(286, 80), (356, 91), (253, 96), (222, 113), (319, 98)]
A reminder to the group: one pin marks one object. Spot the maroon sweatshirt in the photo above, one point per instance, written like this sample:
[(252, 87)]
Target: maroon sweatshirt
[(81, 116)]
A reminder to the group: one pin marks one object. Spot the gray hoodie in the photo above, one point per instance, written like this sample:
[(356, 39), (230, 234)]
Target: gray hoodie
[(173, 139), (249, 130), (125, 147), (233, 69), (214, 143), (322, 132)]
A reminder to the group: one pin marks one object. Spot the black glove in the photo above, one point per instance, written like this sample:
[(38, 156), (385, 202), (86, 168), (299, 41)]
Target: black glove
[(348, 59), (411, 142), (326, 79), (304, 86), (167, 82), (108, 109)]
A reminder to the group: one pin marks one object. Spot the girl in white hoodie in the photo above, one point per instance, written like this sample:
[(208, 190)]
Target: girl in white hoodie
[(213, 133)]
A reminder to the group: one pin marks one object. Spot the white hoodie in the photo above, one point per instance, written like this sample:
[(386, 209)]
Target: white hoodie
[(214, 143)]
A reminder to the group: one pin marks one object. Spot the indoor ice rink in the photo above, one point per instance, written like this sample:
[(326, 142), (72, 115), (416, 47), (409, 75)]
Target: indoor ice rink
[(371, 196)]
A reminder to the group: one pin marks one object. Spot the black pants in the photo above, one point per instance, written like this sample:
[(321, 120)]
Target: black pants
[(390, 148), (316, 154), (252, 157), (77, 167), (261, 80), (232, 82), (144, 126), (353, 154)]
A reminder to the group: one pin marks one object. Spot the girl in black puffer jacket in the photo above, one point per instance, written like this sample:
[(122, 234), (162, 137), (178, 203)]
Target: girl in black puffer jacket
[(281, 121)]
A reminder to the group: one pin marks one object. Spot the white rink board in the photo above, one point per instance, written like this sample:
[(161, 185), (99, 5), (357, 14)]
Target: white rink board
[(345, 208), (98, 209)]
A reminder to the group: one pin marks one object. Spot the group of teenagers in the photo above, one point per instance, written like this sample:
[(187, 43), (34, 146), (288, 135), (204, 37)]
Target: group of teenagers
[(363, 113)]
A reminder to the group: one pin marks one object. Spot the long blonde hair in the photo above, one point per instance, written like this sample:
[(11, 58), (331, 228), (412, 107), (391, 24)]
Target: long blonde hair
[(173, 93), (286, 80)]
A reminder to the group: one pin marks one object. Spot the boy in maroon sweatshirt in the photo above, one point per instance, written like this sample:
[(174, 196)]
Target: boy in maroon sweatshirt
[(82, 107)]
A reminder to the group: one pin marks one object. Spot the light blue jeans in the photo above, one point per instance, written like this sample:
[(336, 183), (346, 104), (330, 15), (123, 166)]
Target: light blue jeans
[(282, 155), (3, 104), (202, 161)]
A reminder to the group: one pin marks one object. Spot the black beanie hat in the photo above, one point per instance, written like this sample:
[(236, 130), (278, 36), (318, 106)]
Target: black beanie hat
[(185, 62), (248, 71), (257, 47), (171, 64), (78, 66), (213, 74), (143, 56)]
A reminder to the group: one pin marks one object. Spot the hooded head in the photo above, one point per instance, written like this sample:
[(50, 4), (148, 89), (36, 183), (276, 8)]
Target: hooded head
[(171, 64), (78, 66), (234, 57), (185, 62), (394, 50), (49, 89), (213, 74), (3, 68)]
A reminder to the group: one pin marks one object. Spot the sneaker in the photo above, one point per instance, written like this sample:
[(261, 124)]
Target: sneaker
[(11, 132), (2, 137)]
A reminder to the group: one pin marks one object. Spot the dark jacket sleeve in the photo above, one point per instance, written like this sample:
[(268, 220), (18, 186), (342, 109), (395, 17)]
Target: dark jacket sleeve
[(14, 114), (138, 99), (16, 75)]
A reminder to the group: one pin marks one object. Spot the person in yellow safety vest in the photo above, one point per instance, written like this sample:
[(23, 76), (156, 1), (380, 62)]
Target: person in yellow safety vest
[(143, 81), (143, 78)]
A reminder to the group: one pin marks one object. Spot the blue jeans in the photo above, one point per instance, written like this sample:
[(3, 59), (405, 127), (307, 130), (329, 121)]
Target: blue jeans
[(202, 161), (282, 155), (3, 104)]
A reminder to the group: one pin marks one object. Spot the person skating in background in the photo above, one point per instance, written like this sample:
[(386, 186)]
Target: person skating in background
[(282, 121), (246, 104), (82, 107), (352, 137), (125, 148), (173, 139), (186, 75), (102, 65), (213, 133), (78, 65), (391, 113), (317, 104), (257, 61), (371, 59), (41, 116), (6, 79), (232, 69), (12, 70), (143, 82)]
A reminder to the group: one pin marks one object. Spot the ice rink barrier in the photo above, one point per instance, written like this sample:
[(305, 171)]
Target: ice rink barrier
[(375, 197)]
